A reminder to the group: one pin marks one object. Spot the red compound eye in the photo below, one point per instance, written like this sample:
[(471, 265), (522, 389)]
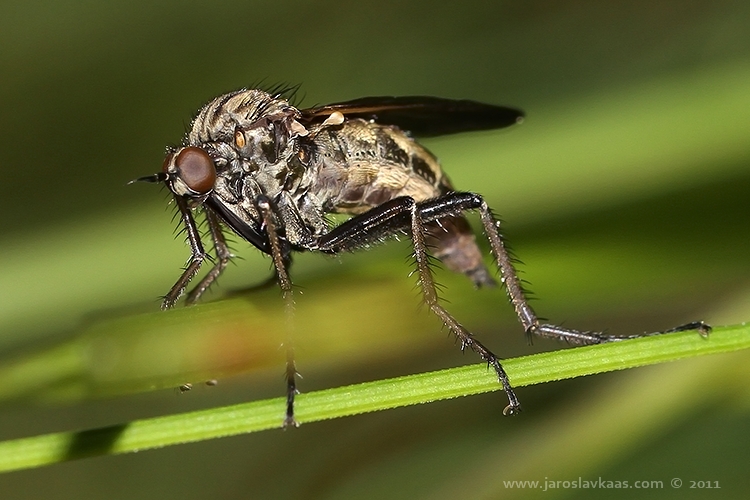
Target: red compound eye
[(167, 161), (196, 169)]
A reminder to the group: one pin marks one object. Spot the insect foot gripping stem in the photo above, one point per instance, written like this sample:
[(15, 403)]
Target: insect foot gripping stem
[(429, 292)]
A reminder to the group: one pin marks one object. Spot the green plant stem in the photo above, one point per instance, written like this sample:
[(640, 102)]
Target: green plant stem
[(372, 396)]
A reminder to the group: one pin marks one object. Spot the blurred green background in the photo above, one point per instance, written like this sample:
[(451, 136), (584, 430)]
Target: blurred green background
[(624, 193)]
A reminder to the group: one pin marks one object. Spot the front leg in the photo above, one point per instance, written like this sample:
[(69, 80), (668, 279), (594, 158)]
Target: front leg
[(223, 256), (196, 259)]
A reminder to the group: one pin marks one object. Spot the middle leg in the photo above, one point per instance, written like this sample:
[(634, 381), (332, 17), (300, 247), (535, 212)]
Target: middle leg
[(280, 264)]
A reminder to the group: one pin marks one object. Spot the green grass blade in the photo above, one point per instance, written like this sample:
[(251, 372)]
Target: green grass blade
[(373, 396)]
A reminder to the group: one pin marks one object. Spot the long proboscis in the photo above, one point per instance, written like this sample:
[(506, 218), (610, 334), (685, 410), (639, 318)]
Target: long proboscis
[(154, 178)]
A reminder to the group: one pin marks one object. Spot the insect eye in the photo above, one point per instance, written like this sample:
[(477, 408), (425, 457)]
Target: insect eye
[(167, 161), (196, 169)]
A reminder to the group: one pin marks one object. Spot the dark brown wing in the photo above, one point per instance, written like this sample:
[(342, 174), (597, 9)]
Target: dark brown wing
[(423, 116)]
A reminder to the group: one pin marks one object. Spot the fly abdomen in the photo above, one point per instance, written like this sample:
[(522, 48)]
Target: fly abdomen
[(453, 242), (380, 163)]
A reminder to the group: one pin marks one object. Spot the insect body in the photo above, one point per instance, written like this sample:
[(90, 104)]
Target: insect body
[(270, 172)]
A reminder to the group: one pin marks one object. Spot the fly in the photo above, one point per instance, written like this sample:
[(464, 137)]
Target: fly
[(255, 164)]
